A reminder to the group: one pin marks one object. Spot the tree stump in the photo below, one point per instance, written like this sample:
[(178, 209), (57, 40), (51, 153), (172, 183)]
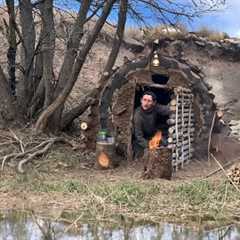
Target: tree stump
[(106, 157), (158, 163)]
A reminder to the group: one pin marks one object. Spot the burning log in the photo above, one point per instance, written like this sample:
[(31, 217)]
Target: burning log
[(157, 160), (106, 156), (158, 164)]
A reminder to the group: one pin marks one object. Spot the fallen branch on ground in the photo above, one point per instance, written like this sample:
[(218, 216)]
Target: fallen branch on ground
[(224, 166), (30, 154), (225, 173)]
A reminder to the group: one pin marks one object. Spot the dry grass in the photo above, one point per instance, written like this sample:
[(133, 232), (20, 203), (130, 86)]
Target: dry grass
[(101, 198), (178, 32), (157, 32), (211, 34)]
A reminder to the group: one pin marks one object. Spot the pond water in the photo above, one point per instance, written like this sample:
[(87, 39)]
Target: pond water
[(23, 227)]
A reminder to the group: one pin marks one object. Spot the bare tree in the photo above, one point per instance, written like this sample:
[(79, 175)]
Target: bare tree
[(40, 93)]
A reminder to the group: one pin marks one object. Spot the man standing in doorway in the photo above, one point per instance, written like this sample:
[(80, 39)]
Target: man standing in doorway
[(146, 122)]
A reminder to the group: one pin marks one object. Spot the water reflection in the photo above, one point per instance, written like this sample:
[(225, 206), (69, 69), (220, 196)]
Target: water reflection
[(21, 227)]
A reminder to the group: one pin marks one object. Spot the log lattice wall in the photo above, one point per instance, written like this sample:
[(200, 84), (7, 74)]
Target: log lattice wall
[(181, 133)]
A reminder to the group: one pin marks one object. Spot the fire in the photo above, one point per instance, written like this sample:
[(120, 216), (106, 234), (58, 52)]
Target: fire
[(155, 141), (103, 160)]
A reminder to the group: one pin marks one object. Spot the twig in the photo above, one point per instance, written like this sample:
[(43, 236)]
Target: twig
[(225, 173), (224, 166), (7, 143), (73, 223), (210, 135), (18, 139)]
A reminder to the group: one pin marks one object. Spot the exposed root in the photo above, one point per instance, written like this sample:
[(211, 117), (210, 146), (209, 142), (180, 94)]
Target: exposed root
[(18, 140), (27, 155), (32, 155)]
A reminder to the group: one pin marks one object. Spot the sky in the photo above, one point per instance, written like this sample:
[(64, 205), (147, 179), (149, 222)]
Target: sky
[(226, 20)]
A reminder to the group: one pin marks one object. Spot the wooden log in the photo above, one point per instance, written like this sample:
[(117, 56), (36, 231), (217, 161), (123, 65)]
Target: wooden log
[(158, 164), (182, 90), (185, 147), (185, 111), (173, 102), (173, 108), (155, 85), (180, 115), (180, 154), (180, 143), (171, 121), (180, 120), (172, 129), (182, 160), (106, 155), (182, 135), (182, 132)]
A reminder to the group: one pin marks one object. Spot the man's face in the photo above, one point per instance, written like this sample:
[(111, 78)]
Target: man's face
[(147, 102)]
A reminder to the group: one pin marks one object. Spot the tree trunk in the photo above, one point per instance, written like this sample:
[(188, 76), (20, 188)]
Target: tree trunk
[(11, 54), (7, 110), (28, 52), (60, 100), (48, 48)]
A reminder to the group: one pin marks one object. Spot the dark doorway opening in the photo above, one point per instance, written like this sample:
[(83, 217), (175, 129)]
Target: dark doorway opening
[(160, 79), (164, 96)]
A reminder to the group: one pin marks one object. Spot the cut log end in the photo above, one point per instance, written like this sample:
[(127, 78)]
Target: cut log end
[(106, 157), (103, 160)]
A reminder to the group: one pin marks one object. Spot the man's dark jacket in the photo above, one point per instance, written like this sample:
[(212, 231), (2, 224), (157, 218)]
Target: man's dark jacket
[(146, 125)]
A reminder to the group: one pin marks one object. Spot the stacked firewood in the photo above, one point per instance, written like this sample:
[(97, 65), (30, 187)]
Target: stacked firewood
[(181, 132), (234, 174)]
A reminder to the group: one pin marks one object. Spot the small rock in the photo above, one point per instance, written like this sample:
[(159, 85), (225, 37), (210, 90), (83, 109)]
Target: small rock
[(201, 44)]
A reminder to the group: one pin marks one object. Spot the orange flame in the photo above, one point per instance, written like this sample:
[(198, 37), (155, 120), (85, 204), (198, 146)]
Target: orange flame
[(103, 160), (155, 141)]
